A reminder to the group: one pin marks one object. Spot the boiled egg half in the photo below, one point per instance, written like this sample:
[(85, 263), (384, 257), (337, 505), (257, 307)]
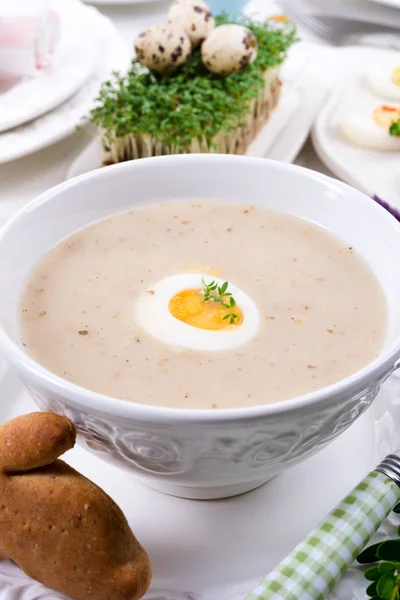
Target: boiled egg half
[(175, 311), (370, 128), (384, 78)]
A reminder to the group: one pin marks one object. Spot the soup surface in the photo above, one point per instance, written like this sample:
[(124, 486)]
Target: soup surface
[(120, 307)]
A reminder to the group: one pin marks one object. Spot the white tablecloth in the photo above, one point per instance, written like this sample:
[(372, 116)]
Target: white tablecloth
[(23, 179)]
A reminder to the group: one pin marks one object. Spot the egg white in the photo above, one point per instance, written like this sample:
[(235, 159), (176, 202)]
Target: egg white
[(153, 315), (360, 128), (379, 78)]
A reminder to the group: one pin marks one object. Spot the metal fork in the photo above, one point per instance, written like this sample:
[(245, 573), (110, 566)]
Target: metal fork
[(336, 31)]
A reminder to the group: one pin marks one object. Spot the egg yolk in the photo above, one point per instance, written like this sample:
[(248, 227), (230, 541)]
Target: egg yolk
[(396, 76), (279, 18), (189, 306), (385, 116)]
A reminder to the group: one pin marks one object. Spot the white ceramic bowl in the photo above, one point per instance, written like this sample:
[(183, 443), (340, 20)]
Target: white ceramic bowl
[(193, 453)]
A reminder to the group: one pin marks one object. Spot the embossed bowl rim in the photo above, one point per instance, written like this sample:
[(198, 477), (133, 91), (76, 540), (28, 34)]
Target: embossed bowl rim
[(76, 396)]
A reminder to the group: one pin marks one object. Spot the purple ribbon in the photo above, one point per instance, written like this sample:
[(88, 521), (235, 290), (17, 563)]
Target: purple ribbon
[(393, 211)]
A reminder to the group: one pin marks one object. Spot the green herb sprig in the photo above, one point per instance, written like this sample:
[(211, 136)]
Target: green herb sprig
[(215, 293), (385, 574), (191, 103), (395, 128)]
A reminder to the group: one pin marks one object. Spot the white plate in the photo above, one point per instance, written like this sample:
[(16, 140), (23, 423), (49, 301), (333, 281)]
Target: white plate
[(31, 97), (117, 2), (62, 121), (313, 91), (195, 551), (372, 172), (393, 3)]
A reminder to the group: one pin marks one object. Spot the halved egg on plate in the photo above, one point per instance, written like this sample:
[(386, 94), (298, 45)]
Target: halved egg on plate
[(371, 128), (179, 311), (384, 78)]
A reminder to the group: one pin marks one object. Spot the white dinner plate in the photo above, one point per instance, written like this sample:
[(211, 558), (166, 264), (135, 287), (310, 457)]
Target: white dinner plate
[(118, 2), (31, 97), (111, 54), (393, 3), (372, 172), (219, 550)]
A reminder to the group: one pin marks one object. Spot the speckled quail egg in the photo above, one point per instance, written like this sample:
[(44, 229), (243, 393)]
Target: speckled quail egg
[(195, 17), (229, 49), (163, 48)]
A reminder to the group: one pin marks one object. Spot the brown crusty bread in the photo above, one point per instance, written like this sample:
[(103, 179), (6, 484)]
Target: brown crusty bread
[(56, 525)]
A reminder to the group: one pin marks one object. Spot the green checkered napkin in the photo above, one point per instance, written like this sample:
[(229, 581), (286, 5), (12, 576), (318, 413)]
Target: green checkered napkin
[(319, 562)]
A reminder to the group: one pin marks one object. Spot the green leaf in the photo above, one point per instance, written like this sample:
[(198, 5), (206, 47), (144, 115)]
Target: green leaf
[(190, 103), (395, 128), (222, 293), (372, 574), (369, 555), (371, 590), (389, 550), (397, 509), (388, 567), (385, 585)]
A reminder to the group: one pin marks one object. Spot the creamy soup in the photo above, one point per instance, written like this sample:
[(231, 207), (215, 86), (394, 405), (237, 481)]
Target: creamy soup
[(128, 307)]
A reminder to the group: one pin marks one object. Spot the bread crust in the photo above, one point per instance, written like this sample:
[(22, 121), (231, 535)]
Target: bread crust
[(57, 526)]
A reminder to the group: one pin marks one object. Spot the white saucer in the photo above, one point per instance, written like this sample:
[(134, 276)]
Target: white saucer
[(218, 550), (372, 172), (31, 97), (63, 120)]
